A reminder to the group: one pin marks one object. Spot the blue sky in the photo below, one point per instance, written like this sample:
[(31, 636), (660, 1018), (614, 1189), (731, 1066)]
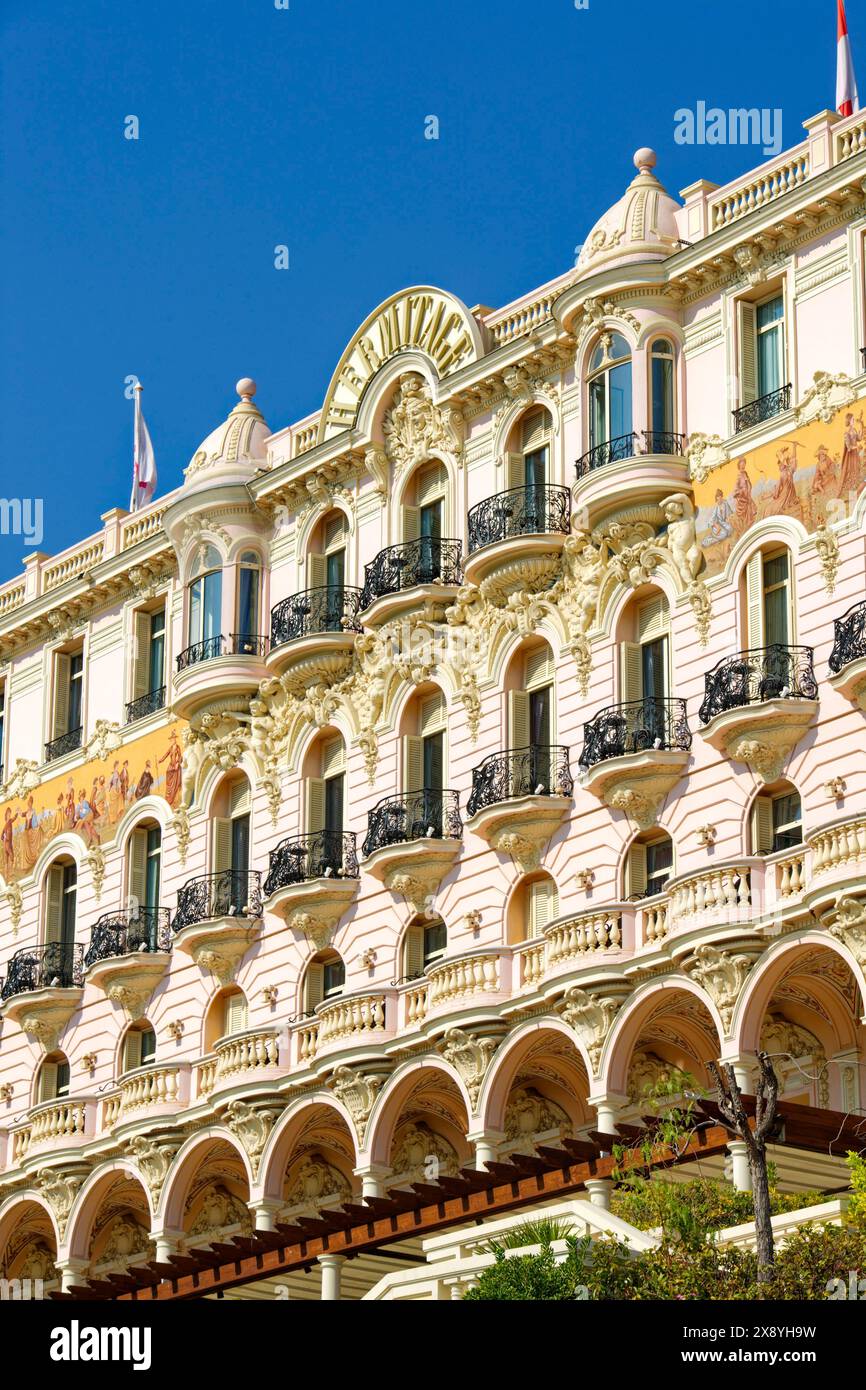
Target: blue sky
[(305, 127)]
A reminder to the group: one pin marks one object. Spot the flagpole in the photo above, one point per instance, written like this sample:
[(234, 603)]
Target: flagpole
[(133, 497)]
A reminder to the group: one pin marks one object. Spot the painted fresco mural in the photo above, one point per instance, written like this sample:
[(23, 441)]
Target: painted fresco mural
[(813, 474), (91, 800)]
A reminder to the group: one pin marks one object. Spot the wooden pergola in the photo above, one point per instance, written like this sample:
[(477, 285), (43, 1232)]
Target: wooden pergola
[(470, 1197)]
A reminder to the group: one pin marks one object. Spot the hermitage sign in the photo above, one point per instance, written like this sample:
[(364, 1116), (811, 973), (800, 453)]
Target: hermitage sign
[(425, 319)]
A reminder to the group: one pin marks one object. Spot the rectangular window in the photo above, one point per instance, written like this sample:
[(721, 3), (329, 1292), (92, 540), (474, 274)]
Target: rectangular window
[(335, 569), (659, 862), (777, 627), (787, 821), (333, 978), (434, 762), (205, 607), (152, 869), (61, 1087), (248, 602), (334, 800), (662, 393), (156, 664), (770, 327), (2, 729), (67, 911), (435, 942)]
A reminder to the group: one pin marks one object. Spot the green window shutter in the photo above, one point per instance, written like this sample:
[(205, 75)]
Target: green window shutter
[(635, 870), (222, 844), (539, 668), (515, 473), (630, 671), (236, 1014), (755, 601), (411, 523), (314, 991), (54, 904), (518, 719), (748, 335), (413, 763), (317, 571), (140, 655), (762, 825), (413, 952), (315, 805), (132, 1050), (432, 714), (652, 619), (48, 1081), (138, 866), (61, 694)]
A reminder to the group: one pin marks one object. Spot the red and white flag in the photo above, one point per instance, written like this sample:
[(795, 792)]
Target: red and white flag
[(143, 460), (846, 83)]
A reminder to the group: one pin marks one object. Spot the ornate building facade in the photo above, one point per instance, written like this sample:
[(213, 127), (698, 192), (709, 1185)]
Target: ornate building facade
[(420, 780)]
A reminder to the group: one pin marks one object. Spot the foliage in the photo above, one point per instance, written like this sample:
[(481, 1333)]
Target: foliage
[(857, 1166), (686, 1211), (534, 1278)]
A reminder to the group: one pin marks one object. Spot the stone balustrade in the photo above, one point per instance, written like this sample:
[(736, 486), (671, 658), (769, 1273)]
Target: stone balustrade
[(591, 932), (110, 1111), (533, 964), (453, 981), (732, 203), (307, 1043), (52, 1125), (654, 923), (352, 1016), (150, 1086), (205, 1076), (718, 893), (791, 875), (247, 1052), (141, 527), (415, 1002), (70, 566), (838, 846)]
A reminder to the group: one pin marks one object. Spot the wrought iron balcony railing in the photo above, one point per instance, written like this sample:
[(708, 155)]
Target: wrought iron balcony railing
[(635, 727), (248, 644), (849, 637), (427, 560), (145, 704), (663, 442), (55, 965), (230, 893), (66, 743), (522, 511), (761, 673), (132, 929), (612, 451), (207, 650), (313, 611), (764, 408), (537, 771), (322, 854), (423, 815)]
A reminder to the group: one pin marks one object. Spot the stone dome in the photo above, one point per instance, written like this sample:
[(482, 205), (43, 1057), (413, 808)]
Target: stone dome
[(640, 225), (238, 441)]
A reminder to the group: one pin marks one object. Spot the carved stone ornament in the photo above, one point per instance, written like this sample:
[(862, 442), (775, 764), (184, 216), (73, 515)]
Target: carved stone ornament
[(705, 452), (63, 621), (722, 975), (15, 904), (757, 262), (415, 427), (181, 827), (376, 464), (827, 546), (153, 1161), (596, 313), (470, 1055), (105, 740), (96, 862), (828, 394), (529, 1113), (44, 1014), (251, 1127), (199, 528), (358, 1093), (789, 1045), (762, 735), (23, 780), (847, 922), (59, 1188), (126, 1239), (591, 1017), (315, 1183), (316, 909)]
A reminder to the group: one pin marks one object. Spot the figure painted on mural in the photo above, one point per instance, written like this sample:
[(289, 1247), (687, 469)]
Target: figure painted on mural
[(84, 819), (70, 805), (145, 782), (8, 847), (58, 822), (174, 771), (783, 500), (115, 794), (721, 518), (124, 781), (32, 836), (852, 455), (824, 477), (745, 510), (100, 800)]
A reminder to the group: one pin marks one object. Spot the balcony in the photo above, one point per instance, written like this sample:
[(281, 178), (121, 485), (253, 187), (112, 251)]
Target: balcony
[(519, 798), (764, 408), (848, 657), (619, 473), (423, 571), (219, 666), (314, 632), (353, 1020), (145, 705), (66, 743), (634, 754), (412, 841), (218, 918), (312, 881), (43, 988), (515, 539), (758, 705), (128, 955)]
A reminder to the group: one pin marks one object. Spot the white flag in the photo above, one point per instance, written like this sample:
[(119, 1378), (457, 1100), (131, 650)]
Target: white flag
[(143, 461), (846, 83)]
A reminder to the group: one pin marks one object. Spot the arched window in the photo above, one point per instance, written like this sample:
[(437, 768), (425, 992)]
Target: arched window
[(776, 820), (529, 460), (231, 844), (534, 904), (648, 865), (143, 878), (139, 1046), (325, 979), (424, 750), (53, 1080), (662, 388), (227, 1013), (531, 711), (645, 659), (205, 598), (249, 600), (423, 944), (61, 892), (326, 806), (424, 512), (326, 564), (769, 600), (610, 390)]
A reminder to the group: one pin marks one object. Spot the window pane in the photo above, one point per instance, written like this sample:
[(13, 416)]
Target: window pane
[(654, 670), (335, 566), (535, 468), (771, 312), (620, 400), (433, 762), (769, 361), (334, 976), (431, 520), (597, 416), (212, 612), (619, 347), (776, 616), (334, 788), (435, 941), (663, 393), (248, 603)]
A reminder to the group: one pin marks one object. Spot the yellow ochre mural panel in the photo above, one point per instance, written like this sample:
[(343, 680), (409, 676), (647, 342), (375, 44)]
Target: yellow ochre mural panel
[(814, 474), (91, 800)]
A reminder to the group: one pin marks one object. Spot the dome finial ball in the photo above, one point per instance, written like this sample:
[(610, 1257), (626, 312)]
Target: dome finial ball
[(645, 159), (246, 388)]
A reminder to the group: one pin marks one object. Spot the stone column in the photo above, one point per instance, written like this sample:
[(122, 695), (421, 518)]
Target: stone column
[(72, 1272), (598, 1191), (740, 1173), (167, 1243), (486, 1146), (373, 1179), (332, 1269), (265, 1211)]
